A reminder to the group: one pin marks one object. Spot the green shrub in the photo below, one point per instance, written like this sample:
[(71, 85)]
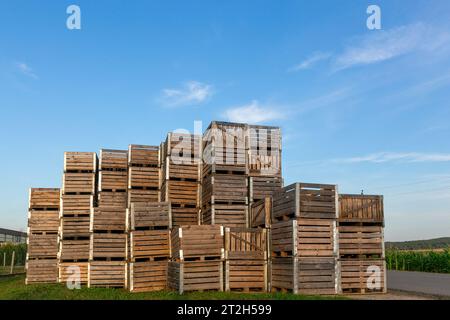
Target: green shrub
[(19, 256), (424, 261)]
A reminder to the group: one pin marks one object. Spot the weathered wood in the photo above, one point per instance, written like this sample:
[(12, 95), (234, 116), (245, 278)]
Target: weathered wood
[(246, 275), (305, 275), (304, 238), (264, 155), (228, 215), (224, 189), (112, 199), (142, 155), (196, 275), (42, 271), (198, 242), (108, 274), (108, 246), (143, 195), (260, 214), (361, 208), (67, 272), (148, 276), (363, 276), (78, 183), (80, 162), (76, 205), (262, 187), (148, 215), (305, 200), (44, 198), (75, 226), (74, 250), (43, 221), (113, 159), (246, 244), (108, 219), (144, 177), (42, 245), (361, 241), (150, 245)]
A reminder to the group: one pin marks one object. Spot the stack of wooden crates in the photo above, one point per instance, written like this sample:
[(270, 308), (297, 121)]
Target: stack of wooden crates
[(42, 241), (77, 205), (180, 183), (304, 239), (109, 241), (361, 243)]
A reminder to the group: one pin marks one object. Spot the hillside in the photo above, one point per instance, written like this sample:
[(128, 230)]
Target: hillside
[(438, 243)]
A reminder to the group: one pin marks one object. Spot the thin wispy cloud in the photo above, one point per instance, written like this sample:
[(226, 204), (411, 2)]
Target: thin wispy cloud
[(253, 113), (191, 92), (398, 157), (310, 61), (384, 45), (26, 70)]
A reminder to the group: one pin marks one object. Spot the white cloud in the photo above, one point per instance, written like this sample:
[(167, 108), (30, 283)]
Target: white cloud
[(388, 44), (253, 113), (383, 157), (191, 92), (26, 70), (310, 61)]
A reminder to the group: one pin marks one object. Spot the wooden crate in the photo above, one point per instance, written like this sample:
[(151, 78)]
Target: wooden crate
[(78, 183), (75, 226), (225, 145), (113, 159), (42, 245), (144, 177), (42, 271), (181, 170), (69, 271), (112, 180), (195, 275), (246, 275), (112, 199), (149, 245), (74, 249), (363, 276), (304, 238), (44, 199), (148, 276), (43, 221), (261, 213), (305, 200), (108, 219), (264, 155), (262, 187), (112, 246), (356, 241), (150, 215), (181, 192), (305, 275), (228, 215), (198, 242), (184, 215), (142, 155), (107, 274), (224, 189), (361, 208), (76, 205), (80, 162), (182, 147), (246, 244), (141, 195)]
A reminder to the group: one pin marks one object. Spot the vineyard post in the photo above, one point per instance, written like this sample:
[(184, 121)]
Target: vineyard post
[(4, 259), (12, 262)]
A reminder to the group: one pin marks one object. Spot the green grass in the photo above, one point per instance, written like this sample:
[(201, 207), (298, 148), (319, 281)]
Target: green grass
[(14, 288), (7, 269)]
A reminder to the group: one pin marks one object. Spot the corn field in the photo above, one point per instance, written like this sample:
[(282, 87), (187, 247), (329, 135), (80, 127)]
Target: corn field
[(424, 261)]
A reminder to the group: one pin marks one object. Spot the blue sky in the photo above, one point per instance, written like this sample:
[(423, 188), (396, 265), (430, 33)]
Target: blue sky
[(366, 109)]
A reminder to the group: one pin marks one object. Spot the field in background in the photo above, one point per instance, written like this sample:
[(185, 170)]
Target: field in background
[(6, 255), (14, 288), (419, 260)]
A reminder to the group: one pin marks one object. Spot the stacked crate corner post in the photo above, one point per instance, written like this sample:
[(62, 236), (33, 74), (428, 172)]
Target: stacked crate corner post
[(361, 243), (304, 250), (225, 175), (78, 196), (197, 258), (108, 251), (150, 248), (246, 260), (42, 240), (180, 172)]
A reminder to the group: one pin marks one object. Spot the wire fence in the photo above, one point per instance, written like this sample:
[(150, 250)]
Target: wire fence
[(12, 258)]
